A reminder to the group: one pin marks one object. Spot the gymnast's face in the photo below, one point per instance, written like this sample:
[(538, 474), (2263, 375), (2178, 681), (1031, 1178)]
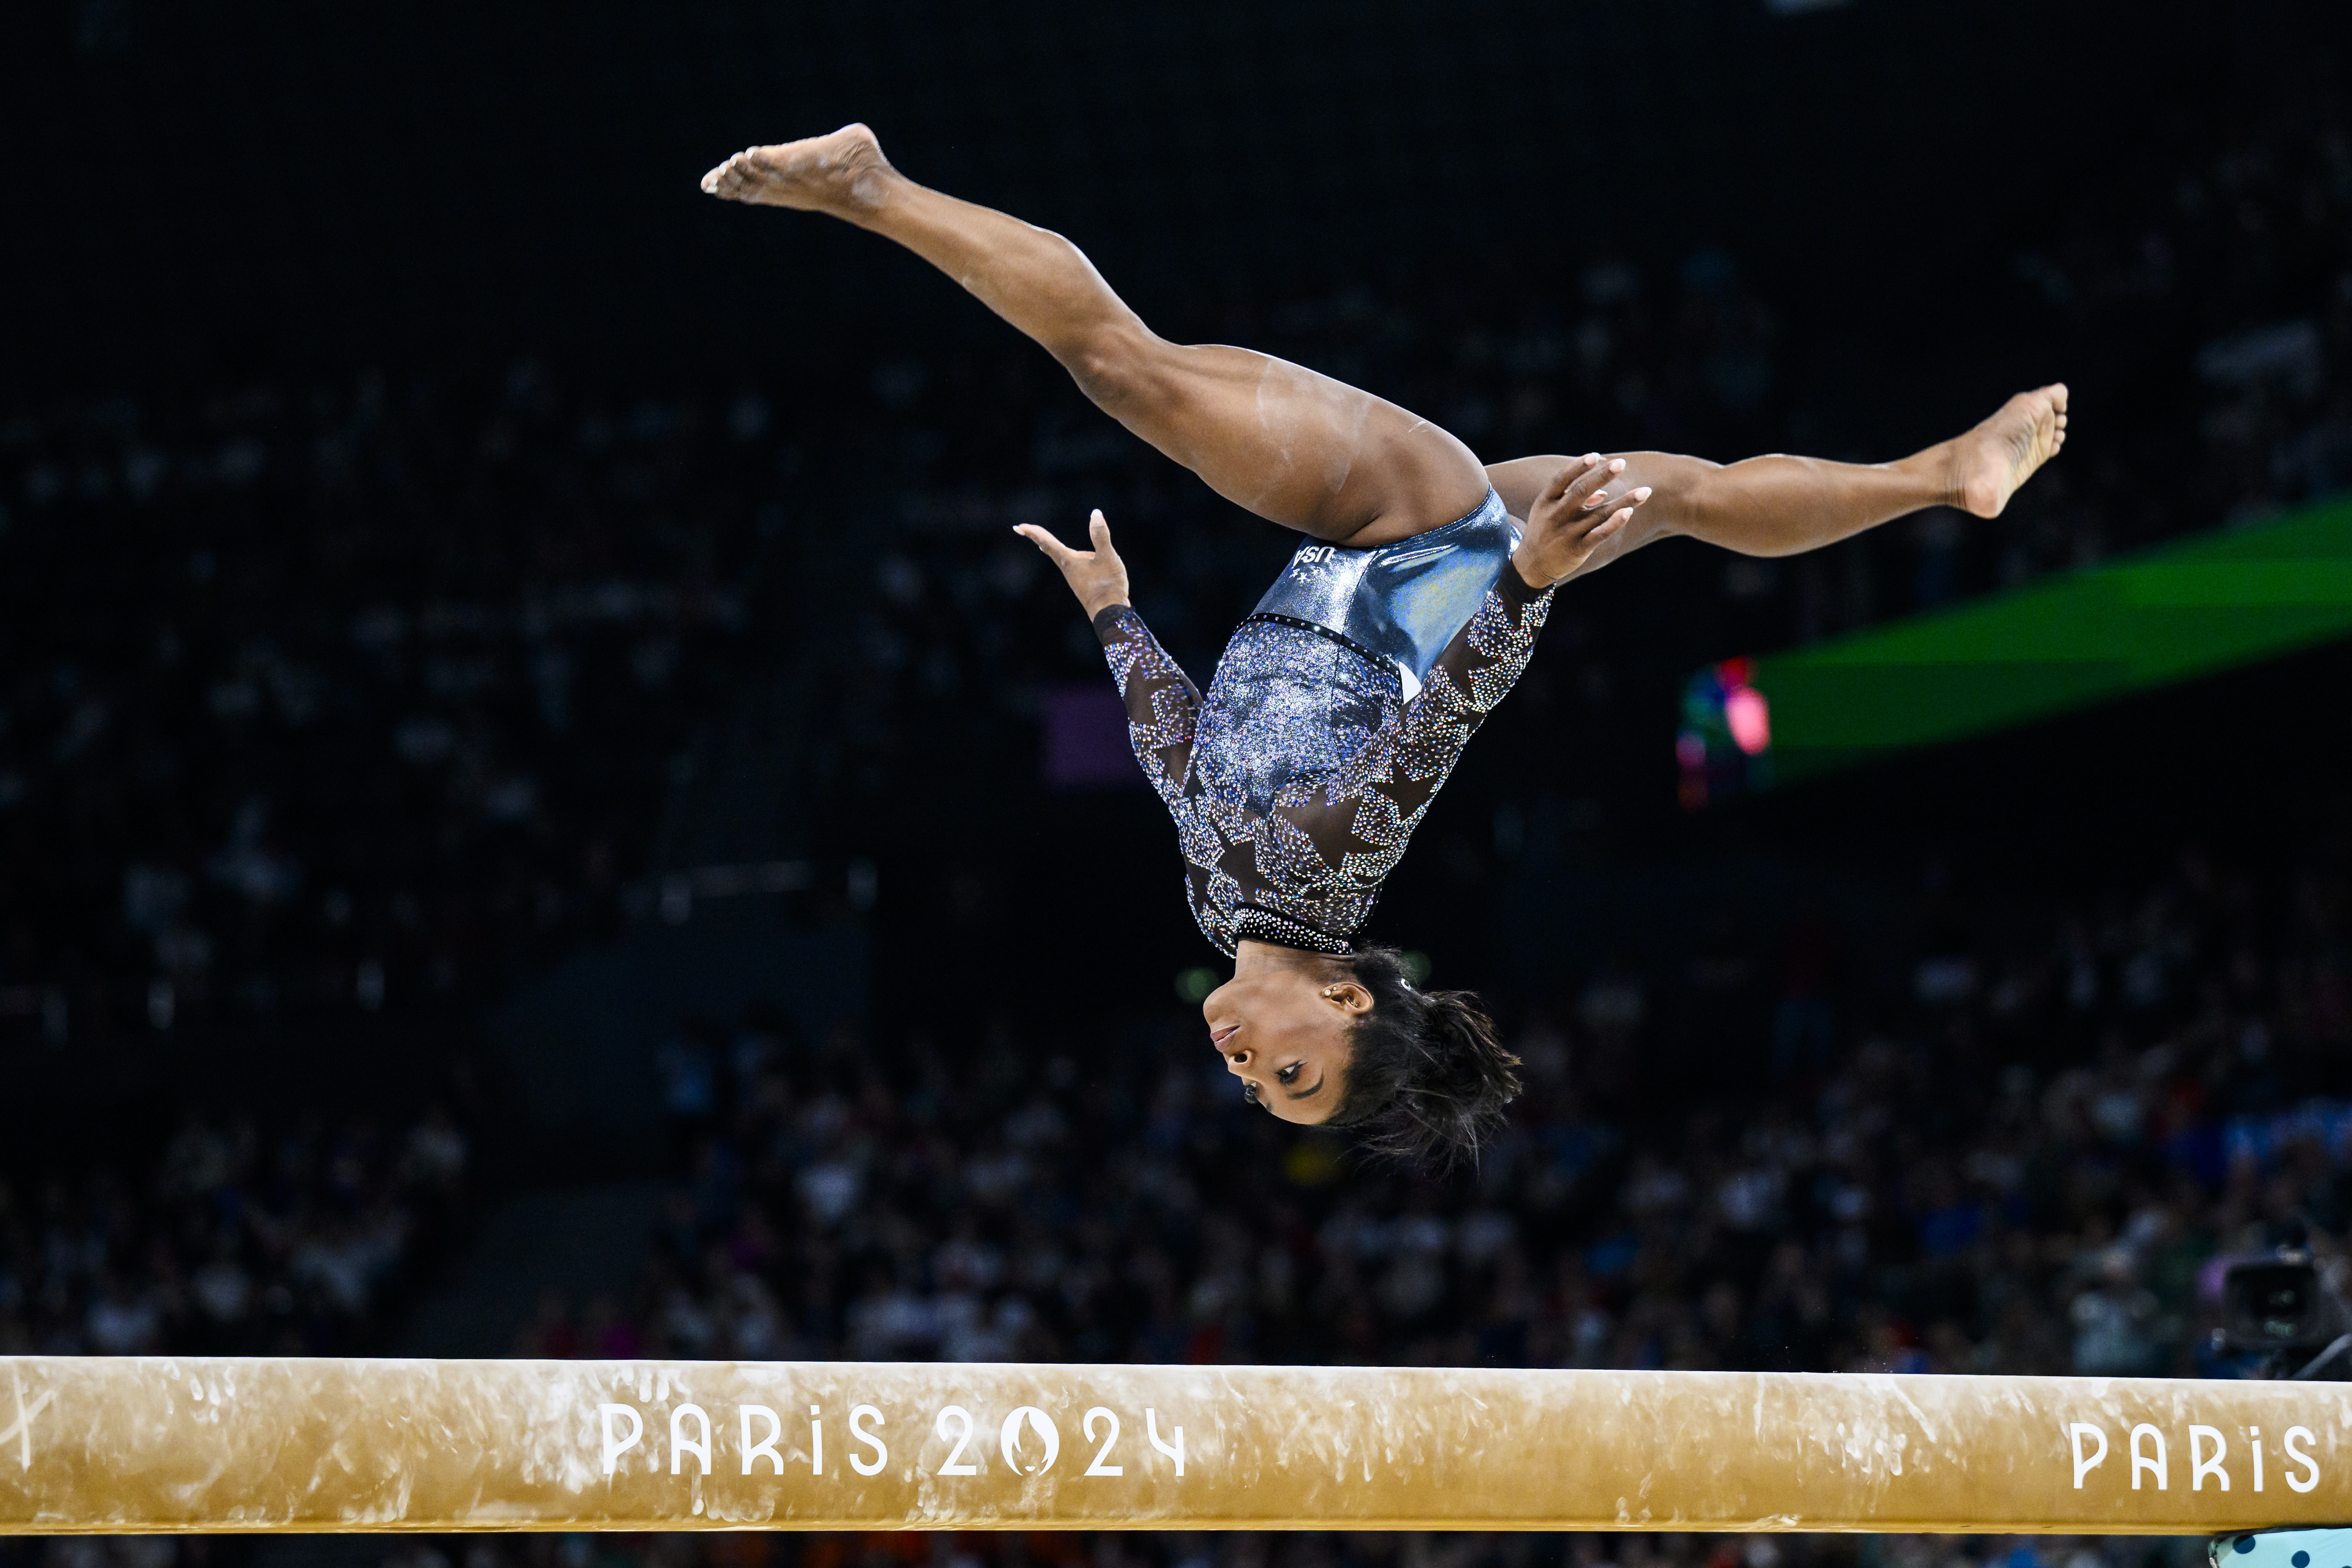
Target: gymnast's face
[(1283, 1033)]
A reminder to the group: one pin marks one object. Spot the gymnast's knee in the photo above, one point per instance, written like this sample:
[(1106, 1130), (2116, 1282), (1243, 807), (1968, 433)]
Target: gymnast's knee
[(1121, 365)]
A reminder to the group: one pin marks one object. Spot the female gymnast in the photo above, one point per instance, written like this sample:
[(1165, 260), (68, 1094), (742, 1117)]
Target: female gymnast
[(1339, 707)]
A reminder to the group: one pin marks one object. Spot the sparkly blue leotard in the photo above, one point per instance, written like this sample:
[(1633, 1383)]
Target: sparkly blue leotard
[(1335, 714), (1402, 603)]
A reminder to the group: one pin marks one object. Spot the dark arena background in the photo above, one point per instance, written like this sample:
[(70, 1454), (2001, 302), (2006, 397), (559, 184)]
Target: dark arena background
[(543, 812)]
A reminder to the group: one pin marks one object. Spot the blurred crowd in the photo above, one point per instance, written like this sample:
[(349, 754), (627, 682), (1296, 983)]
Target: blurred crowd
[(323, 700), (1298, 1550), (2028, 1161), (242, 1236)]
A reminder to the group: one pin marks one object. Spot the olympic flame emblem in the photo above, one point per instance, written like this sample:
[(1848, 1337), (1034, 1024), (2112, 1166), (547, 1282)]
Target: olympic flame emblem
[(1009, 1440)]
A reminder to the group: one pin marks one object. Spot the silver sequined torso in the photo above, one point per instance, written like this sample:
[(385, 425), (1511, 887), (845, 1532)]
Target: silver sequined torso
[(1296, 780), (1288, 705)]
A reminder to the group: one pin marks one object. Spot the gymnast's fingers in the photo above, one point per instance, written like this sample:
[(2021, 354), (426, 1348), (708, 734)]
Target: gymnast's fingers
[(1098, 531), (1625, 505), (1588, 491), (1055, 551), (1572, 470), (1615, 524)]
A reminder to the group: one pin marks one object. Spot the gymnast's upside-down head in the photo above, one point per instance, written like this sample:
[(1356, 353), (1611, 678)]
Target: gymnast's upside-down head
[(1350, 1043)]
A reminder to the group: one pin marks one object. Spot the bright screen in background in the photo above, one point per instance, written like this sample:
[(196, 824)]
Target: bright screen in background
[(1749, 719), (2191, 609), (1727, 730)]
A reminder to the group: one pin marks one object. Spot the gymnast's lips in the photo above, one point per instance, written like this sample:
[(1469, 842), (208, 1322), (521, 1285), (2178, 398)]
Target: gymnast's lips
[(1217, 1037)]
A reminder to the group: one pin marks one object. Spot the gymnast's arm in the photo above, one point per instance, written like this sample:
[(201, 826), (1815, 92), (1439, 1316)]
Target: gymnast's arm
[(1405, 764), (1163, 707), (1769, 505)]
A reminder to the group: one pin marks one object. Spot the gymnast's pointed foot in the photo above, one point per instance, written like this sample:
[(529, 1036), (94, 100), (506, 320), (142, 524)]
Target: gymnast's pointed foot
[(843, 174), (1991, 461)]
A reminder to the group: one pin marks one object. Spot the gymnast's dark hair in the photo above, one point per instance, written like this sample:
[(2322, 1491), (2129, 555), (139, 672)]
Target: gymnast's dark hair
[(1426, 1078)]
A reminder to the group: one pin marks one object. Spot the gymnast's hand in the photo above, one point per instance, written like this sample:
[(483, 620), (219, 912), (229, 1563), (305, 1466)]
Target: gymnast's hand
[(1097, 576), (1574, 517)]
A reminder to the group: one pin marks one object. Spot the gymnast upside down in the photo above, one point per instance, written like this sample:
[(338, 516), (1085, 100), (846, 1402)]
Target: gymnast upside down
[(1339, 709)]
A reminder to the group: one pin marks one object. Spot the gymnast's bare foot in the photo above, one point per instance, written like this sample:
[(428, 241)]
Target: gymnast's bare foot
[(1991, 461), (843, 174)]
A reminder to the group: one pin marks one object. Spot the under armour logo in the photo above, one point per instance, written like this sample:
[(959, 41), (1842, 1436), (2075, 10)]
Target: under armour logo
[(21, 1429)]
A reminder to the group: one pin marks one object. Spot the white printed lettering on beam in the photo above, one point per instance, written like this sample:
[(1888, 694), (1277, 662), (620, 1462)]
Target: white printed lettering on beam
[(1151, 1430), (2143, 1462), (2200, 1467), (2302, 1457), (2209, 1453), (2075, 1433), (858, 1416), (1030, 1439), (680, 1444), (956, 1464), (1097, 1468), (615, 1447), (765, 1446)]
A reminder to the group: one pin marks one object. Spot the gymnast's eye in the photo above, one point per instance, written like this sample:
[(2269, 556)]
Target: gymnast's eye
[(1288, 1074)]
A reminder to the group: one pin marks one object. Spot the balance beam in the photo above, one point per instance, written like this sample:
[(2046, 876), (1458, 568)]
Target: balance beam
[(140, 1443)]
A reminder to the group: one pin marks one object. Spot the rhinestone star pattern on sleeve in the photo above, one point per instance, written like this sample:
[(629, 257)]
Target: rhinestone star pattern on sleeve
[(1163, 718), (1163, 707)]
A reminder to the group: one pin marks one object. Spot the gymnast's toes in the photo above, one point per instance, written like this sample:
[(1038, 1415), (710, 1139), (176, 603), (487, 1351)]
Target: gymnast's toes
[(842, 172), (2003, 452)]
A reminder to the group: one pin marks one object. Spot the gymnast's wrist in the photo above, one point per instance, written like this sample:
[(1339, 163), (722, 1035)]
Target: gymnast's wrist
[(1530, 583)]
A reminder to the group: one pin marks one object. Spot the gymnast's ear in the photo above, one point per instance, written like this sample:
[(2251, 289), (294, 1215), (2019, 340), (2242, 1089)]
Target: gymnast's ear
[(1349, 997)]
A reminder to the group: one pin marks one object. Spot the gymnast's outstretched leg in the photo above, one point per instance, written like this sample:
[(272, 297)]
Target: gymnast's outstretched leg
[(1295, 447), (1779, 504)]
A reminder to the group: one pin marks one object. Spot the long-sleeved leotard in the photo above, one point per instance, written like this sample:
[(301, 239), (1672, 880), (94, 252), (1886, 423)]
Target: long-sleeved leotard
[(1296, 783)]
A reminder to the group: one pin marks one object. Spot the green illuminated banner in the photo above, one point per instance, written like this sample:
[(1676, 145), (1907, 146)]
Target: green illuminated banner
[(2191, 609)]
